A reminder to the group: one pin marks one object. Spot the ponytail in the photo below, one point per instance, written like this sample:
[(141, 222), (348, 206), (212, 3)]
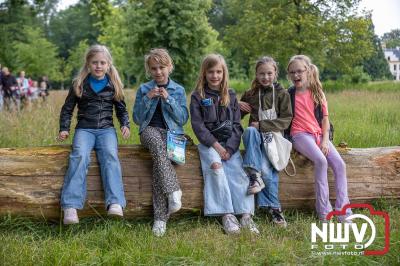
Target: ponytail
[(116, 81), (315, 85)]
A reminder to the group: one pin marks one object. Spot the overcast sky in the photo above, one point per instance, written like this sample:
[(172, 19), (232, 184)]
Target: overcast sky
[(385, 13)]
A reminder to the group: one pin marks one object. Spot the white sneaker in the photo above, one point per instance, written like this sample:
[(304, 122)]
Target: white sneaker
[(115, 210), (159, 228), (231, 224), (174, 201), (247, 222), (70, 216)]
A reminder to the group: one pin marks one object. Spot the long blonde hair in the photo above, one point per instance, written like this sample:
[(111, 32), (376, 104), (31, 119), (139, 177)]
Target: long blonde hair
[(313, 77), (111, 71), (210, 61), (263, 60)]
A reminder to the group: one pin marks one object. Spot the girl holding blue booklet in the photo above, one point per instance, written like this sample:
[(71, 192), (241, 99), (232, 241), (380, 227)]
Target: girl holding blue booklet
[(160, 111)]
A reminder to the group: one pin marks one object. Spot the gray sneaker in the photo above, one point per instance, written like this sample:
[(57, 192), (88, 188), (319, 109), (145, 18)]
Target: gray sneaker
[(70, 216), (174, 201), (115, 210), (247, 222), (230, 224)]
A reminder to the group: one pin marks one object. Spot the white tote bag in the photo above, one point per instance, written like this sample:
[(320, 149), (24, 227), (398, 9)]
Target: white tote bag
[(277, 148)]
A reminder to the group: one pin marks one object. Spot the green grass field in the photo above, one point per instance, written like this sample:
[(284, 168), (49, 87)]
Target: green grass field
[(361, 118)]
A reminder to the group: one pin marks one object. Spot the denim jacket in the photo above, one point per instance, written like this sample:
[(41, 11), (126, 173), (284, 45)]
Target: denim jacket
[(174, 108)]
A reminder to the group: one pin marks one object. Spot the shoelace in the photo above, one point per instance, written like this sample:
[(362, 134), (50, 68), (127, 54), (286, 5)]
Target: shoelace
[(232, 220), (277, 215)]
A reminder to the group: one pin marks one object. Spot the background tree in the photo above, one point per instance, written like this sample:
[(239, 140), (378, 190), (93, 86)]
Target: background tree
[(329, 31), (14, 14), (376, 65), (36, 55), (75, 60), (114, 32), (391, 39), (45, 9), (179, 26), (72, 25)]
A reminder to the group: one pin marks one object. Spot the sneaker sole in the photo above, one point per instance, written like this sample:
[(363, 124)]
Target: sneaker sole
[(69, 222), (232, 232), (173, 210), (283, 225), (115, 215), (254, 191)]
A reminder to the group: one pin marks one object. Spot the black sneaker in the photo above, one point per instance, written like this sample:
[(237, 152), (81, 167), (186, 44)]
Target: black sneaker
[(255, 185), (277, 217)]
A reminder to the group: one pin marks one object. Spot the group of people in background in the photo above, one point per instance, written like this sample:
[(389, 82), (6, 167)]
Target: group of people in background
[(231, 181), (19, 92)]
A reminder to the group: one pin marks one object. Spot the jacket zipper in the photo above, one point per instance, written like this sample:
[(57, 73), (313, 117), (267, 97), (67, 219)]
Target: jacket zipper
[(101, 108)]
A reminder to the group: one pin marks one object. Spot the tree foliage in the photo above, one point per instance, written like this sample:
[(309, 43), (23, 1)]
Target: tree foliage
[(14, 14), (73, 25), (329, 31), (36, 55), (376, 65), (391, 39), (114, 34), (37, 38), (179, 26)]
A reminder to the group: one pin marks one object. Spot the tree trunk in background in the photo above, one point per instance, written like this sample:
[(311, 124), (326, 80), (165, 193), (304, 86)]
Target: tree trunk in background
[(31, 180)]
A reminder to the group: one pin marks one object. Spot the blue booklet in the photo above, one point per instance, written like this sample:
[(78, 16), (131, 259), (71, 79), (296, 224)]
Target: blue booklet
[(176, 145)]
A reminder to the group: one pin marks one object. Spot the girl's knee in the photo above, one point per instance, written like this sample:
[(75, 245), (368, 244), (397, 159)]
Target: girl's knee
[(250, 131), (111, 154), (321, 161), (340, 164), (215, 166), (80, 152)]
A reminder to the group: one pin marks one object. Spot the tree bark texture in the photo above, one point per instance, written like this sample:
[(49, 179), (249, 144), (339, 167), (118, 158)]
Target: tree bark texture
[(31, 180)]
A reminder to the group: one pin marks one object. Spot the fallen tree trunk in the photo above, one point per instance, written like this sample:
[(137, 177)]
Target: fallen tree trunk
[(31, 180)]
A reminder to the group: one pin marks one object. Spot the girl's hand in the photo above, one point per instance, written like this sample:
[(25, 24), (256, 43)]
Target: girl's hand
[(226, 156), (125, 132), (255, 125), (244, 107), (164, 93), (63, 135), (155, 92), (324, 146), (221, 150)]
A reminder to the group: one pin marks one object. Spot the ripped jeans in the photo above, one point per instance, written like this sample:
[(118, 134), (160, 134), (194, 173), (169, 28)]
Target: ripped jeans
[(225, 188)]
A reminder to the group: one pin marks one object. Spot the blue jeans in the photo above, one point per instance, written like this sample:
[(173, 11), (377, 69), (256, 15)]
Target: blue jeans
[(225, 189), (104, 141), (1, 100), (255, 157)]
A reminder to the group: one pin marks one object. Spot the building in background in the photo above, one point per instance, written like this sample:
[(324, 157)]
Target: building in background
[(393, 58)]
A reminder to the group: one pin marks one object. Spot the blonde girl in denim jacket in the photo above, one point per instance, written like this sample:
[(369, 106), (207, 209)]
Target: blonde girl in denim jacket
[(160, 106)]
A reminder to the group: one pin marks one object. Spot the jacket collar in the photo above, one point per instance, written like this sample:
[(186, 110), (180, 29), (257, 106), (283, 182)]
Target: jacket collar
[(171, 84), (86, 82), (269, 88)]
